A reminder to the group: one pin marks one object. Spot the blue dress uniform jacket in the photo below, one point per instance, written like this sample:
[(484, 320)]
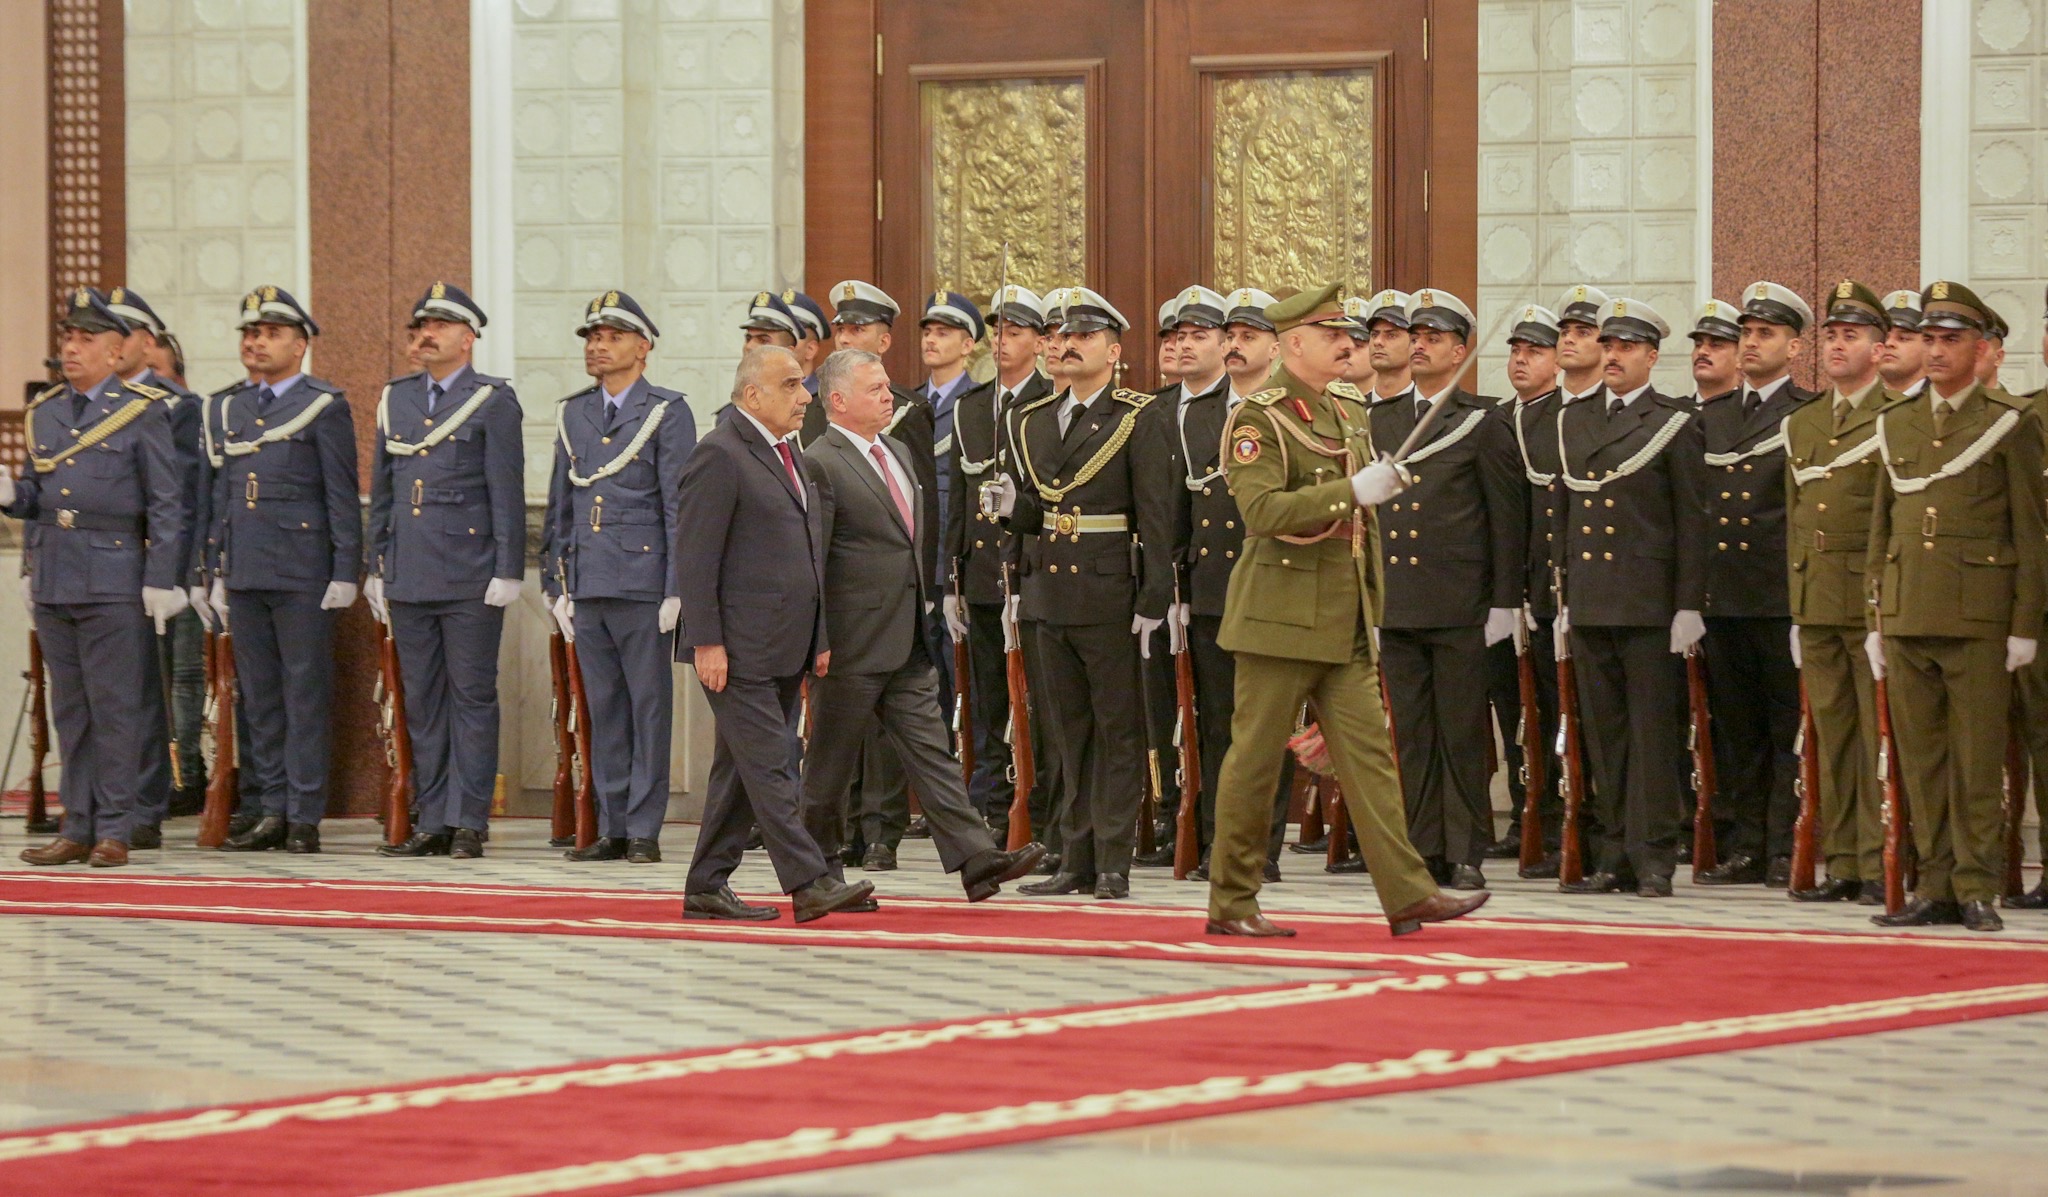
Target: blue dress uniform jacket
[(104, 520), (183, 407), (450, 515), (611, 537), (286, 514)]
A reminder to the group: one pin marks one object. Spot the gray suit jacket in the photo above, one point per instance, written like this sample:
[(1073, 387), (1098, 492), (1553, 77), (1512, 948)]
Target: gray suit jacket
[(874, 588)]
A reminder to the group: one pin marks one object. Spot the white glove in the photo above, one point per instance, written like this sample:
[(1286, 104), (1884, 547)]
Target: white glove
[(1798, 657), (956, 617), (1010, 641), (1178, 617), (1873, 647), (1500, 624), (1687, 629), (1143, 628), (503, 592), (564, 612), (1378, 482), (373, 594), (338, 596), (217, 598), (1561, 634), (195, 597), (163, 602), (28, 598), (671, 610), (999, 498), (2019, 652), (6, 489)]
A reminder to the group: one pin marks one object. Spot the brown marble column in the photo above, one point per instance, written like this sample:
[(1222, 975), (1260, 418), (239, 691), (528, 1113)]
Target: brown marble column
[(1868, 133), (388, 128)]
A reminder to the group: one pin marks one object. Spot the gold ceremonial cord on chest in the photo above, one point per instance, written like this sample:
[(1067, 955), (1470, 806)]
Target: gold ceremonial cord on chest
[(1341, 455), (1092, 467), (123, 416)]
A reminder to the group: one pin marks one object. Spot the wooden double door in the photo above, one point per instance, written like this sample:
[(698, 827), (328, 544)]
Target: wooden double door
[(1138, 146)]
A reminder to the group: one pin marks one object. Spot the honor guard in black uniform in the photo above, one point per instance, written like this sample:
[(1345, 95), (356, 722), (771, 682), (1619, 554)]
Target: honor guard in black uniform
[(1581, 362), (1390, 347), (283, 550), (1085, 485), (620, 445), (1532, 418), (775, 320), (1169, 345), (1631, 547), (1903, 365), (977, 544), (1716, 338), (447, 556), (104, 511), (1455, 543), (1752, 684), (2032, 683)]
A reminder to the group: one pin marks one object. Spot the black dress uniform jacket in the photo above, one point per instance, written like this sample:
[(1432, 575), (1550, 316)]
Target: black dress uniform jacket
[(1455, 540), (1208, 529), (1745, 500), (1535, 428), (1634, 551)]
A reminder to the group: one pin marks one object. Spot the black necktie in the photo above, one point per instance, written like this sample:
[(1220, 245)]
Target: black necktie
[(434, 393), (1750, 402), (264, 398), (1614, 407), (1421, 408)]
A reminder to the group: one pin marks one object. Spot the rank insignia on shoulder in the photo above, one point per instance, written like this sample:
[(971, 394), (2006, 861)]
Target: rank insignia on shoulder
[(1345, 390), (1134, 398), (1244, 445), (1268, 398)]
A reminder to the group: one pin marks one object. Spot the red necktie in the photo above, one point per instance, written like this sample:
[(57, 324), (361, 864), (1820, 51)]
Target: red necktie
[(895, 492), (789, 462)]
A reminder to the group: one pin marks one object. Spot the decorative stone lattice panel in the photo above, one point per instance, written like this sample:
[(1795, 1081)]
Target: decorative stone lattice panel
[(1588, 162), (2008, 157), (215, 166)]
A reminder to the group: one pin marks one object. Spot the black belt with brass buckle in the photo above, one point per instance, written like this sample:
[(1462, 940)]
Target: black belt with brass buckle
[(87, 521)]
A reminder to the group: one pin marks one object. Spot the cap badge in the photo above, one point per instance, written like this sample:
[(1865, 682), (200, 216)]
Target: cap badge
[(440, 291), (939, 298), (1578, 294), (1426, 299), (1193, 294), (1938, 291), (118, 296), (789, 296), (81, 299), (611, 299), (252, 301), (1759, 291), (1621, 307), (761, 300), (846, 292), (1844, 289), (270, 294)]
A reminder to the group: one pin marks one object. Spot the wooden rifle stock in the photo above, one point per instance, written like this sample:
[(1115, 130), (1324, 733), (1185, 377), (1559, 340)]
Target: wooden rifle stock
[(561, 718), (1331, 792), (1897, 821), (1531, 734), (2015, 805), (963, 688), (1187, 838), (1806, 786), (1704, 854), (1022, 764), (39, 820), (1571, 776), (397, 739), (579, 716), (224, 779)]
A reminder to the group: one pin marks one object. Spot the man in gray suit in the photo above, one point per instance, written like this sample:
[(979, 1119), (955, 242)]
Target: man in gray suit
[(749, 552), (875, 602)]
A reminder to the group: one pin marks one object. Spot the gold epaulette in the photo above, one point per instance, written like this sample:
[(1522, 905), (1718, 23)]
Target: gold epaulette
[(147, 391), (1041, 401), (1134, 398), (1268, 398)]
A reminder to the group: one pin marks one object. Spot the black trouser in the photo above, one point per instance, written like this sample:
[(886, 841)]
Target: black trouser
[(1504, 688), (1632, 699), (1215, 706), (1753, 701), (1436, 683), (1049, 791), (756, 740), (1098, 725), (1155, 677), (448, 659), (989, 690), (881, 809)]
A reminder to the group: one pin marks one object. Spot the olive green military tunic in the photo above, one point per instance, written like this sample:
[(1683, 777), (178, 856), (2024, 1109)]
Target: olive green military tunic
[(2032, 684)]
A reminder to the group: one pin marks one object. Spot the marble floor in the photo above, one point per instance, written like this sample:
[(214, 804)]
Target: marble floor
[(101, 1017)]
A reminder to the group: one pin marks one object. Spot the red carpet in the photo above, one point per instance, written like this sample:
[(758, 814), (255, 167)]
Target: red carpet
[(1459, 1004)]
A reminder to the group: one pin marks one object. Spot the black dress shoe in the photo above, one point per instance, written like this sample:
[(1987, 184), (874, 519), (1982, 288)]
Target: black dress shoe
[(1157, 858), (1872, 895), (604, 847), (1921, 912), (263, 835), (851, 853), (1507, 847), (1739, 869), (1596, 883), (1834, 889), (643, 851), (880, 858), (465, 844), (1439, 869), (987, 873), (827, 894), (1047, 867), (1543, 870), (2034, 899), (188, 801), (1467, 877), (722, 904), (1060, 883), (146, 835), (1778, 875), (1116, 885), (1654, 887), (421, 843), (1271, 873), (243, 821), (1315, 847), (561, 841), (302, 839), (1350, 864), (918, 829), (1684, 853), (1982, 916)]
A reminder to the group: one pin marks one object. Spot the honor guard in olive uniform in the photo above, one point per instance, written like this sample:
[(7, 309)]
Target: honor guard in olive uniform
[(2032, 683), (1903, 366), (1716, 338), (284, 547), (1956, 558), (1455, 545), (1532, 418), (1085, 486), (1631, 545), (1304, 598), (102, 500), (1580, 360), (1831, 474), (166, 789), (447, 556), (1752, 684), (620, 445), (977, 544)]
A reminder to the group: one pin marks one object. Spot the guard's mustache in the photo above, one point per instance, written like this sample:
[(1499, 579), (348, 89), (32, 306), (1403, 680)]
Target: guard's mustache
[(1235, 356)]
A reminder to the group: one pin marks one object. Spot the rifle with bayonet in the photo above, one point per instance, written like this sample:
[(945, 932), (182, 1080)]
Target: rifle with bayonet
[(1700, 739), (1571, 777), (1187, 839), (963, 689), (1530, 735)]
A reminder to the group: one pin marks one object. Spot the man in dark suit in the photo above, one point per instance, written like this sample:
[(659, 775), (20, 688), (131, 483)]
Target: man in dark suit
[(875, 598), (751, 561), (1631, 544)]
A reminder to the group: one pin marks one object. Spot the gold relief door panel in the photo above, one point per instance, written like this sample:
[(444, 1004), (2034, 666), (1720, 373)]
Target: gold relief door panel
[(1007, 160)]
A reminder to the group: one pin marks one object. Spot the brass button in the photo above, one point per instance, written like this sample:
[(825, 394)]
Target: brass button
[(1745, 521), (604, 440), (67, 490), (1227, 553), (1205, 523), (1549, 537), (415, 510), (1610, 502), (1415, 561), (430, 421), (252, 507), (1726, 495), (259, 424), (304, 524), (1286, 561), (1586, 529), (472, 531), (1393, 560), (1724, 519), (1205, 490), (1937, 444), (1820, 506), (1743, 546), (1747, 468), (1932, 511), (1608, 556), (1204, 552), (1722, 545), (1230, 523), (597, 499), (1834, 440), (1745, 495), (1731, 469), (1610, 529), (977, 544), (1589, 502), (1585, 556), (1926, 544)]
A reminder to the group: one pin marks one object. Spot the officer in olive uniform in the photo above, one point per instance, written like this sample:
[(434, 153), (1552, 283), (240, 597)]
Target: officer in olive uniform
[(104, 509), (283, 550), (1832, 464), (1085, 485), (1630, 545), (447, 556), (1957, 559), (1455, 544), (1303, 601), (620, 445), (1752, 684)]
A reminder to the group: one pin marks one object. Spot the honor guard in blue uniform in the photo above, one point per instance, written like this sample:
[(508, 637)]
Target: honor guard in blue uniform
[(952, 326), (104, 511), (284, 548), (813, 342), (168, 787), (620, 445), (447, 556)]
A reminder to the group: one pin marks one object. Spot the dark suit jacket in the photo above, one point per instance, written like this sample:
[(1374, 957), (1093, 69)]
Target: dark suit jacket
[(874, 588), (1746, 505), (1633, 552), (1455, 541), (750, 557)]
